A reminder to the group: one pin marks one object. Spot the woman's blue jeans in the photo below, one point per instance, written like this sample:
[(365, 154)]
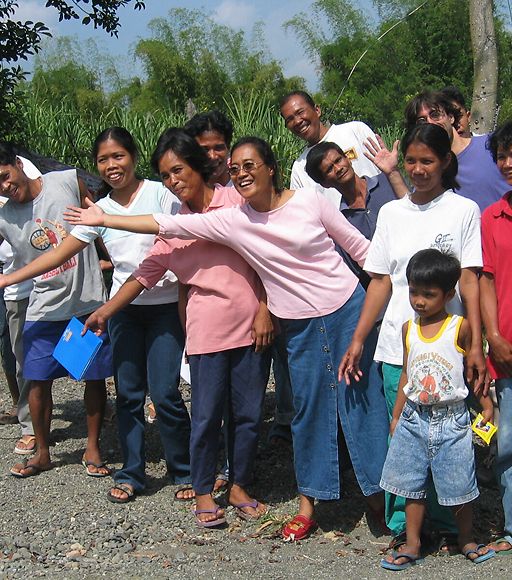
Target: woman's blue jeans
[(315, 347), (147, 345)]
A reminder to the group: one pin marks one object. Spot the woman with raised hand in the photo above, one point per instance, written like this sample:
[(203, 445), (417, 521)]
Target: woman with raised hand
[(147, 337), (288, 237)]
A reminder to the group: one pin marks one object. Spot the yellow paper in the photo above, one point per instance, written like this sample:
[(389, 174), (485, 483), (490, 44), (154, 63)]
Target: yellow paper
[(484, 431)]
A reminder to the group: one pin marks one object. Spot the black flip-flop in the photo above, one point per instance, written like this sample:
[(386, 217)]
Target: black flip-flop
[(130, 493)]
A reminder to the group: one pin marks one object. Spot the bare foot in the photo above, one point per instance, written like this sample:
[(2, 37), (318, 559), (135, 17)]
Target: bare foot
[(501, 545), (472, 550), (185, 493), (122, 492), (409, 549), (29, 468), (25, 445), (93, 463), (219, 484), (205, 502), (247, 507)]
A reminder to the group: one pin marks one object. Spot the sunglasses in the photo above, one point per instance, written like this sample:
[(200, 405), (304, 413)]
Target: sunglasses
[(247, 167)]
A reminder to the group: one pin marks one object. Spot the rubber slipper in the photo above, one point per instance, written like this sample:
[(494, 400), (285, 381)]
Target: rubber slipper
[(181, 489), (125, 488), (90, 473), (239, 507), (480, 558), (397, 541), (212, 523), (503, 540), (411, 560), (9, 418), (299, 528), (33, 468), (25, 450)]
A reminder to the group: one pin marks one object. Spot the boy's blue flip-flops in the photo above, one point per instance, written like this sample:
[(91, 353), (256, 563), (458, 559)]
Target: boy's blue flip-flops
[(479, 559), (410, 561)]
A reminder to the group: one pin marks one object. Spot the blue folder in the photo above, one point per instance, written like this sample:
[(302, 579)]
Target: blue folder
[(76, 352)]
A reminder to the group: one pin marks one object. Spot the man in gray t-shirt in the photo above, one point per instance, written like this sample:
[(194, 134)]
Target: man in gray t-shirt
[(32, 222)]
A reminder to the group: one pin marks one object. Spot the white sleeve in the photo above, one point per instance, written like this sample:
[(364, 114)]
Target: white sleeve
[(85, 234), (168, 201), (377, 260), (296, 178), (471, 244)]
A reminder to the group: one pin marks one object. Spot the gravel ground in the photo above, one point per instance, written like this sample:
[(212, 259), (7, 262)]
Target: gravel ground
[(61, 523)]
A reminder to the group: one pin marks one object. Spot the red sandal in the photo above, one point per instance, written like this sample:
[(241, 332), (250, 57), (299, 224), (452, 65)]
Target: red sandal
[(299, 528)]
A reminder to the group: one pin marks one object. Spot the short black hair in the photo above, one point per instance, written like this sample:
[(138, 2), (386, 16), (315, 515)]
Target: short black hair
[(502, 137), (434, 99), (210, 121), (455, 95), (306, 96), (185, 147), (7, 154), (119, 134), (316, 156), (432, 267)]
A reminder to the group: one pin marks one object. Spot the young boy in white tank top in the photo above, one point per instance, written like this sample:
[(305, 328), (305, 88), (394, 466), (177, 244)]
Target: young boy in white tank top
[(430, 428)]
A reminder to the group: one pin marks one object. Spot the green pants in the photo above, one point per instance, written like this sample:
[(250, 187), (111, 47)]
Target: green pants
[(440, 517)]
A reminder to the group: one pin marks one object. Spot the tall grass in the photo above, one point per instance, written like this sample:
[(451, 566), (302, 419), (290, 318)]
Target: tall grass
[(57, 130)]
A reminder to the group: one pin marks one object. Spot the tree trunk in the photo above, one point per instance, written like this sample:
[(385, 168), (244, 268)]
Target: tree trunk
[(485, 65)]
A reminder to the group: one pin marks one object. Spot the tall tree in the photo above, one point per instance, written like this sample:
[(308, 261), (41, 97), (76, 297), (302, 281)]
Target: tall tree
[(19, 40), (485, 65)]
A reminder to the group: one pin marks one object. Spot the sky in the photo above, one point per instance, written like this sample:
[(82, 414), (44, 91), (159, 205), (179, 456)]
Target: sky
[(239, 14)]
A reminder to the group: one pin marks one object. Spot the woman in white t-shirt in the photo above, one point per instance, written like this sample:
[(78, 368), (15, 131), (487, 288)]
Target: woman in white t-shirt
[(432, 216), (147, 337)]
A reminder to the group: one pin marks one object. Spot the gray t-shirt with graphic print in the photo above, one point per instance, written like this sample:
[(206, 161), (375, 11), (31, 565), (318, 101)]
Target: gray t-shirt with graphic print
[(73, 289)]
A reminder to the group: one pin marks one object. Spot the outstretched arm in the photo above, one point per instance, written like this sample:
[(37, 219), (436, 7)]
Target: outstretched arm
[(97, 321), (46, 262), (95, 216)]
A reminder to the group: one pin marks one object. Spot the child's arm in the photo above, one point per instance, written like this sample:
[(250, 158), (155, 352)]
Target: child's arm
[(463, 341), (95, 216), (400, 396)]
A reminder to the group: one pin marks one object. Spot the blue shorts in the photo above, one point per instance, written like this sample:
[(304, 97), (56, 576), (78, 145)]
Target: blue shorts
[(39, 341), (432, 442)]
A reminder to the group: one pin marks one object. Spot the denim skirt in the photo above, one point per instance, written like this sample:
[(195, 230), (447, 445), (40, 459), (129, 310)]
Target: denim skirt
[(315, 347)]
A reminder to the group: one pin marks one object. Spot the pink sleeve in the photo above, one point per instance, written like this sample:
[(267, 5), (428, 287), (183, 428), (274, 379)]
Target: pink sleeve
[(342, 231), (213, 226), (155, 264), (488, 248)]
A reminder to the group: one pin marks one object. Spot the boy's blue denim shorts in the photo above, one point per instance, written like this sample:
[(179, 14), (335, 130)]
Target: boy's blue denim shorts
[(432, 442)]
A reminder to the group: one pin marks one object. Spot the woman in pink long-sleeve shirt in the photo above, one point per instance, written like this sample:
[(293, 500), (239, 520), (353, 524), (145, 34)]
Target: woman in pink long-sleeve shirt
[(289, 239)]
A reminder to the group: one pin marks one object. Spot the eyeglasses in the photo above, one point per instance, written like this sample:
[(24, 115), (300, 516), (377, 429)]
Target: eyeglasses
[(434, 115), (247, 167)]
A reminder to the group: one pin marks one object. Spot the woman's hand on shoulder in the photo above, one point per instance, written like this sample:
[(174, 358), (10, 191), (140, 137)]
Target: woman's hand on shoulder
[(92, 216)]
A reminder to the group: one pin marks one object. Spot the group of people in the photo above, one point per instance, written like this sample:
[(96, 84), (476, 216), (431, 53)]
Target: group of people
[(368, 291)]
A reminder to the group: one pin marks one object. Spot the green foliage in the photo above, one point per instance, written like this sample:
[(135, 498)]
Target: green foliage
[(180, 65), (18, 40), (430, 48), (57, 130)]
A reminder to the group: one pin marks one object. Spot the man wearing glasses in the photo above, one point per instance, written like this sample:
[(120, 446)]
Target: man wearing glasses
[(478, 176)]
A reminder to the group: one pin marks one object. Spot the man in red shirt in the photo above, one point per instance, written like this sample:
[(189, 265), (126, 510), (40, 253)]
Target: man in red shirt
[(496, 306)]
